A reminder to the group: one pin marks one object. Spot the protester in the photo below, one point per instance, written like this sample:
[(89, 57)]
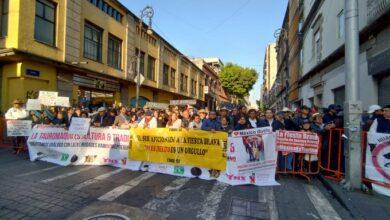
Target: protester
[(174, 121), (203, 115), (148, 121), (382, 124), (212, 123), (110, 118), (99, 119), (185, 120), (253, 121), (196, 122), (122, 120), (304, 114), (59, 120), (242, 124), (225, 125), (270, 121), (17, 111)]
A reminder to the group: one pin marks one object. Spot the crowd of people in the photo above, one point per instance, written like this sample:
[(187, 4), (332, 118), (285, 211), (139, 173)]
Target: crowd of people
[(304, 118)]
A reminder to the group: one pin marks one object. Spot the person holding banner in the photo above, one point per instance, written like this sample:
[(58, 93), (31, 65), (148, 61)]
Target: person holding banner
[(196, 122), (212, 123), (122, 120), (17, 112), (270, 121), (148, 121), (99, 119), (174, 121), (203, 115), (252, 119)]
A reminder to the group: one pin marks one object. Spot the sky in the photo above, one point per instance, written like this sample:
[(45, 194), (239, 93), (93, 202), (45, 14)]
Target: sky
[(236, 31)]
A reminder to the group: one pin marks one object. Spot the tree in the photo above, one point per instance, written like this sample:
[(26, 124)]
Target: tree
[(238, 80)]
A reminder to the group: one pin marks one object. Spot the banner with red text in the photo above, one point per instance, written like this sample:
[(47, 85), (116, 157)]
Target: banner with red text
[(297, 142), (101, 146), (251, 158)]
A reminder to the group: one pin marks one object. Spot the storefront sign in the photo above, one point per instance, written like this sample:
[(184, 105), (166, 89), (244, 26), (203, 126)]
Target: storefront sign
[(156, 105), (48, 98), (33, 72), (297, 142), (183, 102), (17, 128), (79, 126), (33, 104), (96, 83), (179, 147)]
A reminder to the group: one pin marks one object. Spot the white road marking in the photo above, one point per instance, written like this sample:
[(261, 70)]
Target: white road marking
[(62, 176), (161, 197), (321, 204), (96, 179), (269, 197), (210, 205), (115, 193), (38, 171)]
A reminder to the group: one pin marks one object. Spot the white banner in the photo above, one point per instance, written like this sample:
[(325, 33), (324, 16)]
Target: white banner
[(79, 126), (156, 105), (16, 128), (183, 102), (33, 104), (62, 101), (102, 146), (378, 160), (48, 98), (252, 158)]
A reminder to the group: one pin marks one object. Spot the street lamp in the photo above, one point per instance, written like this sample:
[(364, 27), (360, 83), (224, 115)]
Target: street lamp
[(147, 12)]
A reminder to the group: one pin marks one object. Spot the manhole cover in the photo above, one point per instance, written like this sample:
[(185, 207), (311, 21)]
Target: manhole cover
[(108, 216)]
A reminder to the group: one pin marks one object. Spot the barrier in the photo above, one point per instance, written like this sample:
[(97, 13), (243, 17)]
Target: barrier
[(332, 163), (304, 165)]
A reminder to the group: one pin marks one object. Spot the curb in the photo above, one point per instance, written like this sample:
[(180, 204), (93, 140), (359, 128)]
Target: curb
[(341, 197)]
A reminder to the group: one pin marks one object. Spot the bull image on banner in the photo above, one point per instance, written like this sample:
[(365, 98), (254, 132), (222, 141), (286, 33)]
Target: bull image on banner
[(378, 160), (251, 158), (179, 147), (100, 147)]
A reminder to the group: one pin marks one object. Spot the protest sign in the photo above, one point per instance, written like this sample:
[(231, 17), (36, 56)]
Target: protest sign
[(183, 102), (251, 158), (378, 160), (48, 98), (33, 104), (17, 128), (62, 101), (297, 142), (156, 105), (101, 146), (179, 147), (79, 126)]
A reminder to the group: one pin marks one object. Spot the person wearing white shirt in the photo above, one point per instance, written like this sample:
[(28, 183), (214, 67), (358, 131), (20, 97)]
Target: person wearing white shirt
[(196, 123), (174, 121), (148, 121), (17, 111)]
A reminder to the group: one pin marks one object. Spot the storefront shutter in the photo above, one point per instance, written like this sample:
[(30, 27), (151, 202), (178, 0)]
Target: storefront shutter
[(384, 91)]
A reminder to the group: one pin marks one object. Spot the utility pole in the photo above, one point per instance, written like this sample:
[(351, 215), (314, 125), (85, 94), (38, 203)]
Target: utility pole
[(352, 105)]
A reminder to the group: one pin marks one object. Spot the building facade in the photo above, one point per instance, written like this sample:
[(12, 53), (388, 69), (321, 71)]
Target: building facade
[(270, 66), (87, 50), (322, 81)]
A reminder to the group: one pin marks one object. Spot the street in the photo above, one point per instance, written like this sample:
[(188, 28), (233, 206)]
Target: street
[(41, 190)]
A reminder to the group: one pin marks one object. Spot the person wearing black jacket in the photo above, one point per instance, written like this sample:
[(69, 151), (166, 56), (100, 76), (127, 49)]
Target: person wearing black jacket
[(270, 121), (253, 121), (99, 119), (110, 118), (242, 124)]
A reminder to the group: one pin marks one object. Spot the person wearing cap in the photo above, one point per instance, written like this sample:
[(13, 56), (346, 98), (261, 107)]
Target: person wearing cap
[(305, 111), (203, 115), (148, 121), (374, 111), (382, 124), (288, 121), (331, 116), (99, 118), (17, 111)]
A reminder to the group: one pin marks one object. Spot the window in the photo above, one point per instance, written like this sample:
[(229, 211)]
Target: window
[(92, 42), (173, 78), (151, 68), (4, 18), (193, 87), (165, 75), (185, 83), (142, 61), (317, 45), (112, 12), (114, 58), (45, 19), (200, 90), (339, 96), (341, 29), (181, 82)]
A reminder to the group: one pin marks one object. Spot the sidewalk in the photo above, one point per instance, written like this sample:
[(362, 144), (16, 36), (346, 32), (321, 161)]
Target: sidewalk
[(360, 205)]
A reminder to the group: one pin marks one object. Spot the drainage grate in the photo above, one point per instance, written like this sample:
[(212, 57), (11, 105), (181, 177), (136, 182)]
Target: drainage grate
[(244, 209), (108, 216)]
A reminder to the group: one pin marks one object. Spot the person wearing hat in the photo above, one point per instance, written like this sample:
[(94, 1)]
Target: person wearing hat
[(382, 124), (148, 121), (331, 116), (17, 111), (98, 120), (305, 114), (288, 120), (203, 115)]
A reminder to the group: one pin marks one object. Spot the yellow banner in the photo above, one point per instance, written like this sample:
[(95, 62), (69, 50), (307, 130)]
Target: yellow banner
[(179, 147)]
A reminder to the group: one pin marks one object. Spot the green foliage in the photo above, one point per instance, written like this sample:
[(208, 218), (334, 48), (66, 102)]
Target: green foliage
[(238, 80)]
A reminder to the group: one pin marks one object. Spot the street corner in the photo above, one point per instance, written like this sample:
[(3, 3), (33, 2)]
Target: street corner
[(114, 210)]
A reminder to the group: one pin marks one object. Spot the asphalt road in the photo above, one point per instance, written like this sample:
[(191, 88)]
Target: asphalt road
[(40, 190)]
